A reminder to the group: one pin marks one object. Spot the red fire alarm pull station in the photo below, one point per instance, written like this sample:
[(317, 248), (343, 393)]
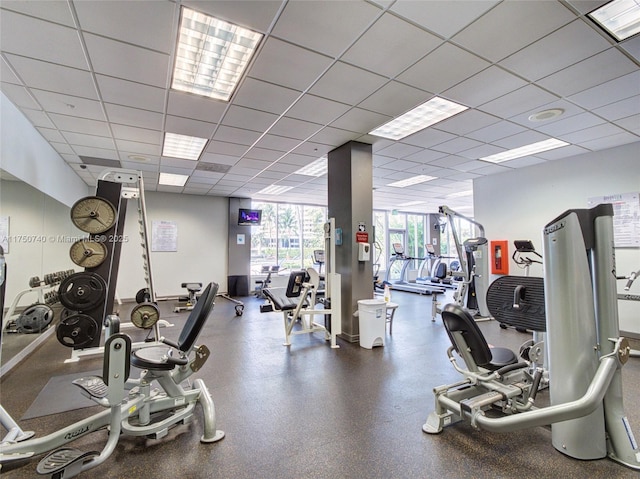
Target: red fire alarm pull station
[(499, 257)]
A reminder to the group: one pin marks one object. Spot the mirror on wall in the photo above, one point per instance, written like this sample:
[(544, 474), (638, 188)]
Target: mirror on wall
[(36, 232)]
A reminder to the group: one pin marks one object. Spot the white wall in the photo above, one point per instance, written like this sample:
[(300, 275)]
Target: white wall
[(517, 204), (202, 244), (28, 156)]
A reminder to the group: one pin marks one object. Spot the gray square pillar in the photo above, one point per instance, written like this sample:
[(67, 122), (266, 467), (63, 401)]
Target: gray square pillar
[(350, 198)]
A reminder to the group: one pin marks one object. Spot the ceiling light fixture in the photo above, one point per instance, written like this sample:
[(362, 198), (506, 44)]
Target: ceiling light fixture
[(410, 203), (429, 113), (211, 55), (619, 18), (183, 146), (526, 150), (411, 181), (317, 168), (170, 179), (274, 190), (460, 194)]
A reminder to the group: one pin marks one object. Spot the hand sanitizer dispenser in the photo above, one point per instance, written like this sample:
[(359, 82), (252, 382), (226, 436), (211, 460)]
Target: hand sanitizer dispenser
[(364, 252)]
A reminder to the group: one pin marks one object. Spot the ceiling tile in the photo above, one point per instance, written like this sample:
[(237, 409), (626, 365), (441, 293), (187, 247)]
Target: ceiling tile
[(550, 54), (443, 17), (265, 96), (609, 92), (347, 84), (466, 121), (130, 94), (77, 139), (332, 27), (621, 109), (495, 131), (278, 143), (125, 115), (69, 105), (144, 149), (588, 73), (57, 78), (527, 98), (510, 26), (484, 86), (394, 99), (359, 120), (428, 74), (396, 43), (428, 137), (292, 128), (66, 50), (197, 107), (457, 145), (128, 62), (141, 135), (317, 109), (236, 135), (58, 12), (20, 97), (241, 117), (570, 124), (80, 125), (288, 65), (137, 27), (186, 126)]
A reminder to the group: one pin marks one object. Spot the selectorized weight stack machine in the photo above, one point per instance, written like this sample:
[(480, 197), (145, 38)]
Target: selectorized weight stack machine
[(586, 353)]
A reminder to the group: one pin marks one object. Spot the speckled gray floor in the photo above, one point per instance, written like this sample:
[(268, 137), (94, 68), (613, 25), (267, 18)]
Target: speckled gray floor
[(308, 411)]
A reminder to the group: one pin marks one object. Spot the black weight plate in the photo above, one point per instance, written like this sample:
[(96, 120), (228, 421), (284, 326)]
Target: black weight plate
[(35, 319), (143, 296), (65, 313), (82, 291), (77, 331)]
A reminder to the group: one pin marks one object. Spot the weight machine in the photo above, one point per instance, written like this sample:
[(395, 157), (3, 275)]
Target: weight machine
[(630, 297), (298, 302), (586, 353), (131, 408), (471, 290)]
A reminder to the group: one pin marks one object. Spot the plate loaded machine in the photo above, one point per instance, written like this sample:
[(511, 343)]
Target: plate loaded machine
[(88, 297), (130, 407), (586, 353), (297, 302), (471, 290), (630, 297)]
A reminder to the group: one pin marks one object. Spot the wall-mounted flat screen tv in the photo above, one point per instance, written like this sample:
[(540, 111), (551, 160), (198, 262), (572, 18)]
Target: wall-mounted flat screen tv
[(249, 217)]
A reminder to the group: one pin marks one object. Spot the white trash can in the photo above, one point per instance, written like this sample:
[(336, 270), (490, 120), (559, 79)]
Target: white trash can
[(372, 317)]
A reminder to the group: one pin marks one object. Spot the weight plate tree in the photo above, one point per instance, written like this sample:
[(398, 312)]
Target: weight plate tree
[(145, 315), (88, 253), (93, 214), (82, 291)]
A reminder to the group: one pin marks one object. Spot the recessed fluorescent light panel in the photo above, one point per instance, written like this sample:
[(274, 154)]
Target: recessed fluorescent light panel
[(274, 190), (169, 179), (212, 55), (182, 146), (422, 116), (526, 150), (317, 168), (410, 203), (412, 181), (620, 18), (460, 194)]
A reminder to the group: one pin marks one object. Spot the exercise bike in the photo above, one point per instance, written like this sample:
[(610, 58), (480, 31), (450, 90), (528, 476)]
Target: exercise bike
[(131, 407)]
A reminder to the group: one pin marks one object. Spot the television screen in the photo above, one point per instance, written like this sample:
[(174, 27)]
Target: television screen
[(249, 217)]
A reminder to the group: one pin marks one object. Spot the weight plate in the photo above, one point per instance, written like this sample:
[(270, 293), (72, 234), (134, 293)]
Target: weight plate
[(35, 319), (65, 313), (145, 315), (143, 296), (77, 331), (93, 214), (82, 291), (88, 253)]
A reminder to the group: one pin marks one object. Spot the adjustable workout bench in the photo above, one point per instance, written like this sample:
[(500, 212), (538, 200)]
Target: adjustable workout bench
[(190, 301)]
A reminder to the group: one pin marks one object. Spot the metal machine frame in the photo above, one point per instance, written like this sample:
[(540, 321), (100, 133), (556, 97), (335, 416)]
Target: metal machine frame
[(586, 354)]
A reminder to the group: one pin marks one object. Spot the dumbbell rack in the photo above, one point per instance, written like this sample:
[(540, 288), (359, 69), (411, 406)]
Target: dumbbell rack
[(132, 187)]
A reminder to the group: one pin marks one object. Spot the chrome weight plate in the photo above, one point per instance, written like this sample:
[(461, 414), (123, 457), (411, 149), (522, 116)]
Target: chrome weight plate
[(82, 291), (93, 214), (145, 315), (88, 253)]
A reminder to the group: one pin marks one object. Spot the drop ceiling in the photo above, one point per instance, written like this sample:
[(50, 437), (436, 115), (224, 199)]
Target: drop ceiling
[(93, 77)]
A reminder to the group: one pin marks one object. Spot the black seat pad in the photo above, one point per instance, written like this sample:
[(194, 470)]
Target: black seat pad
[(153, 358)]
